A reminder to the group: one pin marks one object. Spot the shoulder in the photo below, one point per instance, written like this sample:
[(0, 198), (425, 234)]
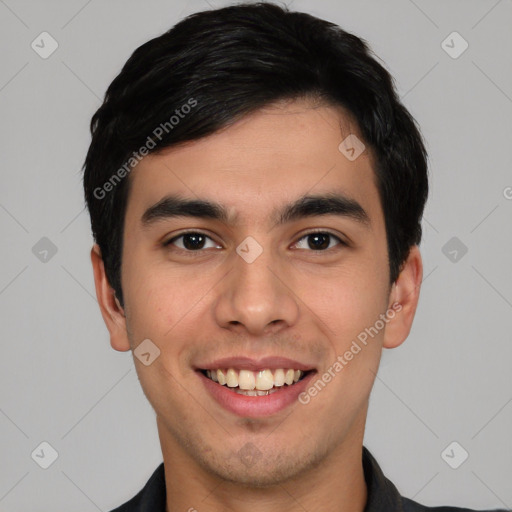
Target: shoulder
[(383, 495), (412, 506), (151, 498)]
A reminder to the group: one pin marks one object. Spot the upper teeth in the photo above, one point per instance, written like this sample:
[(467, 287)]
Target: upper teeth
[(247, 379)]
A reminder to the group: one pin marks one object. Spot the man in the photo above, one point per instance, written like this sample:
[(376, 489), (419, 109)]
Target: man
[(256, 190)]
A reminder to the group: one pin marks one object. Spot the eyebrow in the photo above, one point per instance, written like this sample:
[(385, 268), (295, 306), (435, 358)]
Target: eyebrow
[(306, 206)]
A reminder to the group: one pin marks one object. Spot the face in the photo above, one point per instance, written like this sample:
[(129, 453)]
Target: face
[(255, 285)]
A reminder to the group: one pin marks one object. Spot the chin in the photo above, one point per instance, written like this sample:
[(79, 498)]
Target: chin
[(266, 470), (262, 477)]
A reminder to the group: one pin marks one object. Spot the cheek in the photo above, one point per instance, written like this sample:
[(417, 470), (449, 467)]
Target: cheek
[(155, 300), (157, 313), (347, 302), (170, 309)]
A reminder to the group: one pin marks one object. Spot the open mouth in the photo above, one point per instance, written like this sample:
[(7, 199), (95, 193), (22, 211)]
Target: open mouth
[(255, 383)]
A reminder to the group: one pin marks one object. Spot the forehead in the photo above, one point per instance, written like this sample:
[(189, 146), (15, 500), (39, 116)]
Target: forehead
[(267, 158)]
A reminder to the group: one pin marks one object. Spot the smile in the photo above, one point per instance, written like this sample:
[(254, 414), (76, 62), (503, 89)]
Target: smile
[(255, 393), (255, 383)]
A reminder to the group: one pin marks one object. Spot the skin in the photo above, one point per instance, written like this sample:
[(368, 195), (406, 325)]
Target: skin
[(291, 301)]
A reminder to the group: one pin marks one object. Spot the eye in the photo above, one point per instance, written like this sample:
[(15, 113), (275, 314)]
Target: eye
[(194, 241), (191, 241), (319, 240)]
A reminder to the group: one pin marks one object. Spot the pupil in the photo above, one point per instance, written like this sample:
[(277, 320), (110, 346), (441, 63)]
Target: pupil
[(193, 241), (321, 241)]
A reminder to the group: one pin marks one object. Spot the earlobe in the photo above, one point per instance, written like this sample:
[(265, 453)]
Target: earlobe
[(403, 299), (111, 310)]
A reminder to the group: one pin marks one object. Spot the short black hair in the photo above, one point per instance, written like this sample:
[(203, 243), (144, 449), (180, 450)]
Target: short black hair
[(216, 66)]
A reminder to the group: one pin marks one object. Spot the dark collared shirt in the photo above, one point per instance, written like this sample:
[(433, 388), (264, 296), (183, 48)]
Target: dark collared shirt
[(382, 494)]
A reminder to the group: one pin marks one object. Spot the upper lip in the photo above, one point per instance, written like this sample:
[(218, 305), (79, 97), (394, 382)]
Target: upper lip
[(247, 363)]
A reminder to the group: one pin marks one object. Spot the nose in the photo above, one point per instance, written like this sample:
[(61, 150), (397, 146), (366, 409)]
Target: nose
[(257, 297)]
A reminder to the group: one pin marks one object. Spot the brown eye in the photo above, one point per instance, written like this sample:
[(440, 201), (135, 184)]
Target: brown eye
[(319, 241), (191, 241)]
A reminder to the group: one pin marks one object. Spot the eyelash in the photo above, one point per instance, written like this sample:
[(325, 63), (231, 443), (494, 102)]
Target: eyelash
[(169, 242)]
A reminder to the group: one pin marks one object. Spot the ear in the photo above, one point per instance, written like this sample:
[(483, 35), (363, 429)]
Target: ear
[(403, 299), (111, 310)]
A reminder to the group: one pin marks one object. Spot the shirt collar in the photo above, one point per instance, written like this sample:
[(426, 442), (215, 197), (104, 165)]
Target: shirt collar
[(382, 494)]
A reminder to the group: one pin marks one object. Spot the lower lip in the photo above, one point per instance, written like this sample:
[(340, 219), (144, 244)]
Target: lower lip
[(256, 406)]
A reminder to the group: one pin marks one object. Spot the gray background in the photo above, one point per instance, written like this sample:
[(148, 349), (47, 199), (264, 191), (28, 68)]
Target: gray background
[(62, 383)]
